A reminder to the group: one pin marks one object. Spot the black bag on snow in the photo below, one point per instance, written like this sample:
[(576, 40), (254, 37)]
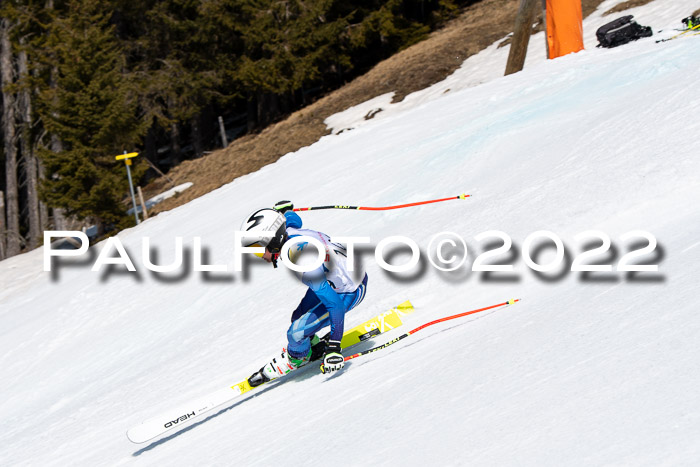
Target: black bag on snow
[(621, 31)]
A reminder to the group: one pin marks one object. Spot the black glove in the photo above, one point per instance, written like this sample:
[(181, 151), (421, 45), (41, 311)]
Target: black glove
[(283, 206), (332, 359)]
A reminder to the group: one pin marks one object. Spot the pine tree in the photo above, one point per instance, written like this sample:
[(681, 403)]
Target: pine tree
[(179, 63), (287, 44), (95, 75), (92, 109)]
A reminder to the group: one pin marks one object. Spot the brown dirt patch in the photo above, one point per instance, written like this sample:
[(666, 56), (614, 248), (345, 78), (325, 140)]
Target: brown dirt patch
[(410, 70), (626, 6)]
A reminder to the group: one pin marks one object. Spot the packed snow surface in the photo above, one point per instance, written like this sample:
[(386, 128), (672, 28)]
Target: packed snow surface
[(588, 369)]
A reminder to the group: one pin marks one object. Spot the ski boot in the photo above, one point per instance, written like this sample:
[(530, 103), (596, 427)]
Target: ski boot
[(278, 366)]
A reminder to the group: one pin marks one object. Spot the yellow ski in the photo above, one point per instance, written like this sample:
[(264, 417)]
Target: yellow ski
[(379, 324)]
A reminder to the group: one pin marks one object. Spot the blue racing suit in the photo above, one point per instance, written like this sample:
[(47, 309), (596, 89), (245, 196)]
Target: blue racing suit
[(332, 291)]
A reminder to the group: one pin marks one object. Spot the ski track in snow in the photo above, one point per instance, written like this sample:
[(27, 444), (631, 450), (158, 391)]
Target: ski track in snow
[(586, 370)]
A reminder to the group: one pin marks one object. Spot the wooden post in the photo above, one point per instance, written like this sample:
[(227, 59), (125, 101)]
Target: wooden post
[(224, 140), (521, 36), (154, 167), (143, 205)]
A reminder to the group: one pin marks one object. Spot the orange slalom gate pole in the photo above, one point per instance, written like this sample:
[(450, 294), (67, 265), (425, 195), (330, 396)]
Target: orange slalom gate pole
[(383, 208), (564, 27), (509, 302)]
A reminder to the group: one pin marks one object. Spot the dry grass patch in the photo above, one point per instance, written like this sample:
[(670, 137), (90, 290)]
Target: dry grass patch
[(626, 6), (410, 70)]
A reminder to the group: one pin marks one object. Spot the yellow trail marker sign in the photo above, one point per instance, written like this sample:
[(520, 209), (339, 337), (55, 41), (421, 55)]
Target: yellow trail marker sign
[(127, 161), (126, 156)]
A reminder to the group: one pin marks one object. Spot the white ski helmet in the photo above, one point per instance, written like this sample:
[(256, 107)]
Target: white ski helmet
[(268, 221)]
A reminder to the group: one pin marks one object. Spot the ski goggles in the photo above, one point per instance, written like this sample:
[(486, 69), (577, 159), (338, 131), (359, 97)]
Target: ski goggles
[(274, 250), (257, 245)]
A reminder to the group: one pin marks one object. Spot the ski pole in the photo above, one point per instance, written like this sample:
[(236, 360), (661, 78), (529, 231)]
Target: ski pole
[(383, 208), (693, 28), (383, 346)]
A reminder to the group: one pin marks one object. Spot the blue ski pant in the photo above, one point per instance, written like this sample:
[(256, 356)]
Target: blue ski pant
[(317, 310)]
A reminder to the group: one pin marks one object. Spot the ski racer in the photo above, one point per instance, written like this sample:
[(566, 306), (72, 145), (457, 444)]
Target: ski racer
[(332, 292)]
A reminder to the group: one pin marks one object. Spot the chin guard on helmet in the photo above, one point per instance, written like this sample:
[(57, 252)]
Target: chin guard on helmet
[(276, 242)]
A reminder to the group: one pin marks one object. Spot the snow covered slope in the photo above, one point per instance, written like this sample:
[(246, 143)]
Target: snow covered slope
[(588, 369)]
